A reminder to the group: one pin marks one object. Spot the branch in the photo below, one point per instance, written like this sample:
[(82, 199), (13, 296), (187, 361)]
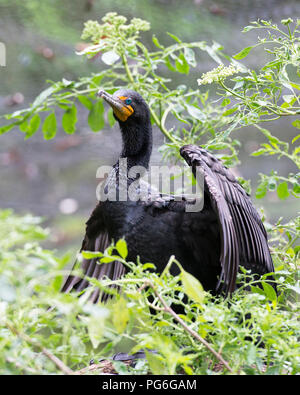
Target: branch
[(61, 366), (169, 310)]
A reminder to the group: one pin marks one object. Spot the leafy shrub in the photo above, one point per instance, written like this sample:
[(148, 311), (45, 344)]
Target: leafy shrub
[(43, 331)]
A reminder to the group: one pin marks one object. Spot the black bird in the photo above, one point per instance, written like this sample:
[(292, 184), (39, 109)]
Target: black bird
[(211, 244)]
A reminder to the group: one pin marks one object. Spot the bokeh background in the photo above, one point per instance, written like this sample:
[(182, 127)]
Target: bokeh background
[(57, 179)]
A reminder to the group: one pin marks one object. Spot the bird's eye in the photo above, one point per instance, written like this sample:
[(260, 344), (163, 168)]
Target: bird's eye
[(128, 101)]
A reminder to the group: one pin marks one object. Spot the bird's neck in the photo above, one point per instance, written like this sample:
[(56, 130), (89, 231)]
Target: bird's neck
[(137, 144)]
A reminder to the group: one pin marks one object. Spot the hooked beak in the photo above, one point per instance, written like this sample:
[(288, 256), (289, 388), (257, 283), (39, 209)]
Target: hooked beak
[(120, 109)]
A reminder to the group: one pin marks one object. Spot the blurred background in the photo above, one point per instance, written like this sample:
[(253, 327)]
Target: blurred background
[(57, 179)]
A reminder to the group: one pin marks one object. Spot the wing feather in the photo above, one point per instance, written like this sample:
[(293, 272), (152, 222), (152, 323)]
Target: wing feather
[(243, 236), (96, 239)]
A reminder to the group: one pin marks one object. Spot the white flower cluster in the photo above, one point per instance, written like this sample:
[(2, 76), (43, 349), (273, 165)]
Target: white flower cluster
[(219, 73)]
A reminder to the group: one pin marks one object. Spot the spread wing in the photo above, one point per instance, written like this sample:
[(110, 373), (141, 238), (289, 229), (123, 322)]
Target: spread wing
[(96, 239), (243, 236)]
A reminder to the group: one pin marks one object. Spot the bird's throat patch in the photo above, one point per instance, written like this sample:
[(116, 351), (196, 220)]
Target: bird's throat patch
[(124, 113)]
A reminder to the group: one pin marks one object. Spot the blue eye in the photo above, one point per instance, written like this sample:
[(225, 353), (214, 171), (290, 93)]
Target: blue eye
[(128, 101)]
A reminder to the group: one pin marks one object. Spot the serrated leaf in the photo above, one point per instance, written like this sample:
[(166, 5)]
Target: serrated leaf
[(192, 287), (49, 126)]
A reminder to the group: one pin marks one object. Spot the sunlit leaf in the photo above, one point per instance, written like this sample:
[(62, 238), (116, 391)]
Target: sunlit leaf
[(192, 287), (49, 126)]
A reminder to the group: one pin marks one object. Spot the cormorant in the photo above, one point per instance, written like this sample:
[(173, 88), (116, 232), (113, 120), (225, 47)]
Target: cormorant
[(211, 244)]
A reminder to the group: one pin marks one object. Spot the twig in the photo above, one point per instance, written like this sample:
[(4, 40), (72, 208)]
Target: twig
[(61, 366), (169, 310), (20, 366)]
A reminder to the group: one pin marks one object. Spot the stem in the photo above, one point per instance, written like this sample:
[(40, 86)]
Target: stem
[(194, 334), (162, 127), (127, 69), (230, 91)]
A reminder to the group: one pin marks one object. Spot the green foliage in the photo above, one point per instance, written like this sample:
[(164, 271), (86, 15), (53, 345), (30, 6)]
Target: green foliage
[(43, 331)]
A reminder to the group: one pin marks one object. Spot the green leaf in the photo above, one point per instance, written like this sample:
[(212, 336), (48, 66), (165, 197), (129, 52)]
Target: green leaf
[(251, 354), (261, 189), (33, 126), (169, 64), (6, 128), (85, 101), (230, 111), (110, 117), (96, 326), (269, 136), (120, 316), (43, 96), (121, 247), (156, 42), (69, 120), (195, 112), (91, 255), (95, 118), (49, 126), (283, 191), (296, 138), (225, 102), (156, 364), (189, 55), (108, 259), (174, 37), (269, 291), (244, 52), (259, 152), (296, 124), (181, 64), (192, 287)]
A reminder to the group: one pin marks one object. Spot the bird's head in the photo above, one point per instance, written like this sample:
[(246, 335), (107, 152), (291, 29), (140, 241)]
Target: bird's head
[(128, 106), (133, 115)]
